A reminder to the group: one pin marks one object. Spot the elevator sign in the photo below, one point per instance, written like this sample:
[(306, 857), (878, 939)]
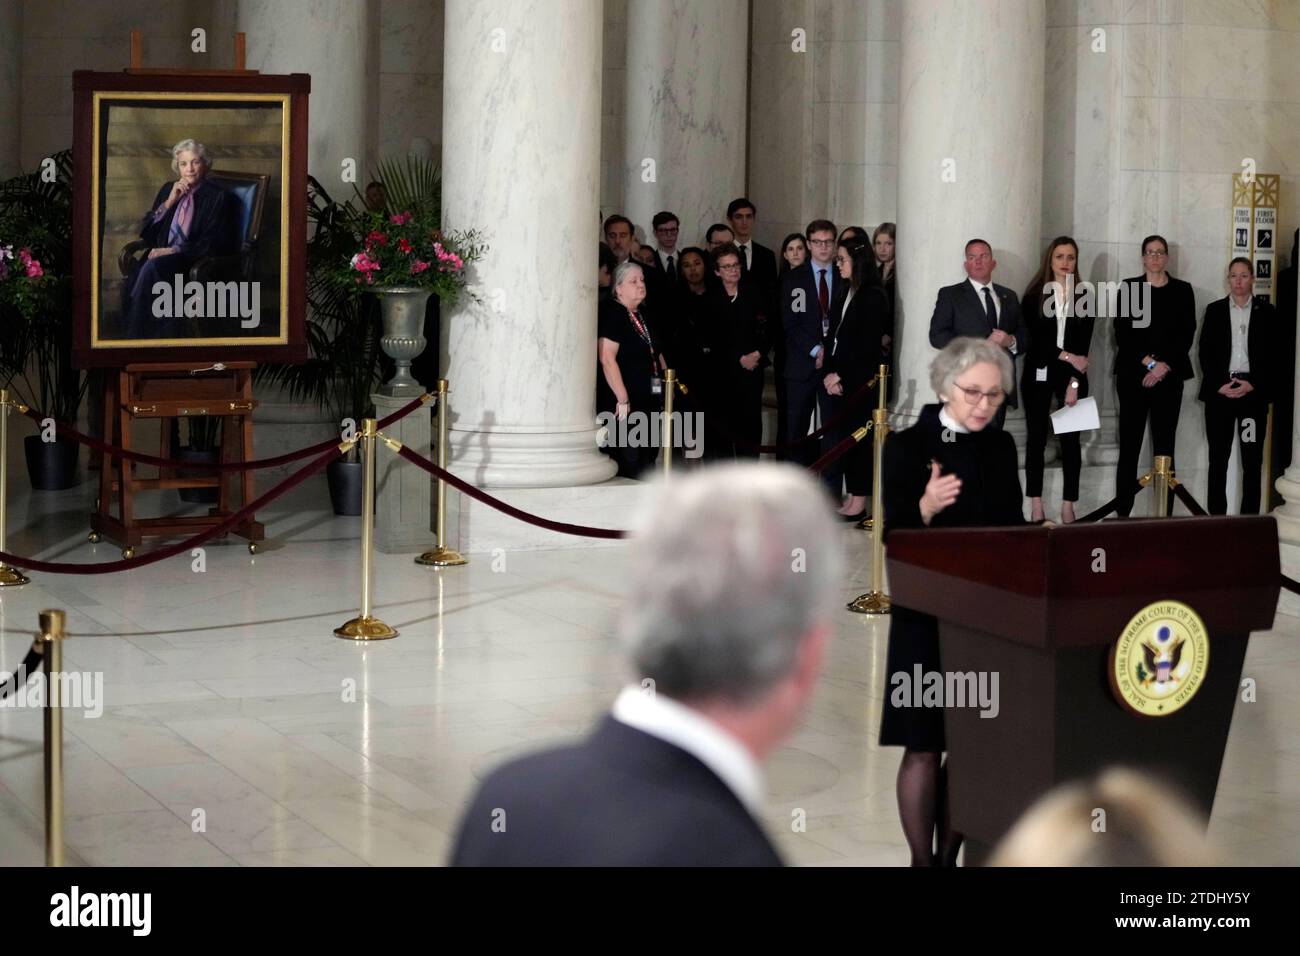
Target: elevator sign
[(1254, 225)]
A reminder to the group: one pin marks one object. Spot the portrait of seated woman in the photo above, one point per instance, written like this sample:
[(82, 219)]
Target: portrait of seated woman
[(190, 219)]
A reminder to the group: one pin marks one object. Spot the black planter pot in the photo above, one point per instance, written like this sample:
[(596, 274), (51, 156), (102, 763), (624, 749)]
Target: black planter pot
[(51, 465), (198, 496), (345, 486)]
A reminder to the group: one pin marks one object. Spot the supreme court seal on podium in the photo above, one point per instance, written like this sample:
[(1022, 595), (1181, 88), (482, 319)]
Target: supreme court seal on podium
[(1159, 662)]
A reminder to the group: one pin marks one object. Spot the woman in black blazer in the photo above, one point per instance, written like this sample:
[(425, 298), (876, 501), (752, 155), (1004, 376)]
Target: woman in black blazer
[(1152, 360), (739, 355), (883, 242), (1056, 368), (1239, 355), (949, 470), (853, 356)]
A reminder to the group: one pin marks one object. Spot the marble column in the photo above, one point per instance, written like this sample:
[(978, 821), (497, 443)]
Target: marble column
[(331, 40), (685, 111), (521, 152), (11, 47), (1288, 516), (970, 159)]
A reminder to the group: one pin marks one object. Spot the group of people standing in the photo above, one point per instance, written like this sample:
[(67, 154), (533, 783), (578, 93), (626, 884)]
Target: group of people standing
[(722, 313)]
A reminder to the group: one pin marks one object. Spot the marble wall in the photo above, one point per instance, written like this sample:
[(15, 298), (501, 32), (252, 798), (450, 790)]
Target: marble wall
[(410, 75), (824, 122), (1145, 136)]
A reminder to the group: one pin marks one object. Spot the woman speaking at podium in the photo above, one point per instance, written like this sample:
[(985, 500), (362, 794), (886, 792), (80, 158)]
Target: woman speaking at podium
[(949, 470)]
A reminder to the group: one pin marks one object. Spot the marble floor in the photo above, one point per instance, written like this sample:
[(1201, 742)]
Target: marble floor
[(237, 730)]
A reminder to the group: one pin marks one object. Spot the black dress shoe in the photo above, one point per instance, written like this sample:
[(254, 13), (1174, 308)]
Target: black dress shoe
[(857, 517)]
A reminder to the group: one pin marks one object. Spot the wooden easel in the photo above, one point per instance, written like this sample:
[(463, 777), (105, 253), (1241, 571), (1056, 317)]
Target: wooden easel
[(168, 391)]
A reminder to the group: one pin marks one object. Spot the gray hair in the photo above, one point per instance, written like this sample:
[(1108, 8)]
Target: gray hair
[(963, 353), (732, 568), (620, 274), (195, 147)]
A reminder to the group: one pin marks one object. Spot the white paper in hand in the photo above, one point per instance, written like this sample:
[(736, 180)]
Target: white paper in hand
[(1080, 417)]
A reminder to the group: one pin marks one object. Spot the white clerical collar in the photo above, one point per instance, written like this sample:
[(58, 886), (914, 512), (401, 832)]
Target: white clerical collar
[(679, 725), (949, 422)]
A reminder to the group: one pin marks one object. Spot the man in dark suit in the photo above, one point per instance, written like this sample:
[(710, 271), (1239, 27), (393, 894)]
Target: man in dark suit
[(757, 262), (1238, 353), (666, 228), (1284, 396), (981, 308), (806, 296), (726, 646)]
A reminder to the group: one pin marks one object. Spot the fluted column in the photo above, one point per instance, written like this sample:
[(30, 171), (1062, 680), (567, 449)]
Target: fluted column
[(11, 46), (970, 111), (685, 111), (330, 39), (1288, 516), (521, 152)]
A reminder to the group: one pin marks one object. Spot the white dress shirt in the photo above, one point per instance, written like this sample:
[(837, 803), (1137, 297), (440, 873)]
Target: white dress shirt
[(664, 254), (679, 725), (1239, 317), (1062, 310), (997, 304), (949, 422)]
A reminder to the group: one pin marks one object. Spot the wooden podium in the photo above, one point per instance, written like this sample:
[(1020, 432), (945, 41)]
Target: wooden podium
[(166, 391), (1035, 606)]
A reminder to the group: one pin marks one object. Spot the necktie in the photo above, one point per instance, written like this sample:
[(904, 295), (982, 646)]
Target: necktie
[(672, 270), (990, 311), (823, 293), (744, 259)]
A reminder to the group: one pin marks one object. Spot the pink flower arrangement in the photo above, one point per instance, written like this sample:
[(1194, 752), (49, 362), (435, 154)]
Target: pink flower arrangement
[(406, 249), (418, 266), (31, 267), (400, 219)]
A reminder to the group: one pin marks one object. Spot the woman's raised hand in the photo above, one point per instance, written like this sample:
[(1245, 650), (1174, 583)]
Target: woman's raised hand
[(940, 492)]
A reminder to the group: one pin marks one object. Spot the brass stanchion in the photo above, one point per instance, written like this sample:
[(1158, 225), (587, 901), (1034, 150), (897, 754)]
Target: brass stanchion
[(52, 633), (442, 556), (1161, 475), (882, 376), (365, 627), (9, 577), (670, 383), (876, 601)]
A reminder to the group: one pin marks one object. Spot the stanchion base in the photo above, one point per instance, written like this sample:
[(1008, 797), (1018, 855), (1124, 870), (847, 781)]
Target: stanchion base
[(12, 577), (873, 602), (365, 629), (442, 558), (867, 524)]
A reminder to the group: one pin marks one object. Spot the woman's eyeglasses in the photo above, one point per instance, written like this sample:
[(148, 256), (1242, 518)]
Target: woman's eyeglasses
[(973, 395)]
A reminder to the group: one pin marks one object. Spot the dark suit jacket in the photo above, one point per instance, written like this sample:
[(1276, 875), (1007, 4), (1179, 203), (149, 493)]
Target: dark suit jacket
[(214, 229), (619, 798), (762, 273), (1167, 336), (959, 311), (1215, 349), (854, 352), (803, 330), (1043, 351)]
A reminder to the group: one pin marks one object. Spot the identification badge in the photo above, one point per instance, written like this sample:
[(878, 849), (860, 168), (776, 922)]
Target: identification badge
[(1040, 374), (656, 386)]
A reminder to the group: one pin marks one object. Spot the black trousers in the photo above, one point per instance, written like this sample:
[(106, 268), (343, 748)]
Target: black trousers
[(1161, 404), (1223, 418), (745, 412), (802, 397), (1037, 397)]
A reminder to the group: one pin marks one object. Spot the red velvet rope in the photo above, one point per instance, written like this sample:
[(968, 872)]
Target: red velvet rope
[(466, 488), (109, 567), (1188, 501), (144, 459), (837, 419), (824, 461)]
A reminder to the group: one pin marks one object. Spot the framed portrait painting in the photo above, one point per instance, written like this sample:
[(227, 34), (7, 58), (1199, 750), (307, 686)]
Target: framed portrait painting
[(190, 218)]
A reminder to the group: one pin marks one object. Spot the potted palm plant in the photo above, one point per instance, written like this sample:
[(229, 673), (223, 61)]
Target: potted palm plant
[(36, 313)]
